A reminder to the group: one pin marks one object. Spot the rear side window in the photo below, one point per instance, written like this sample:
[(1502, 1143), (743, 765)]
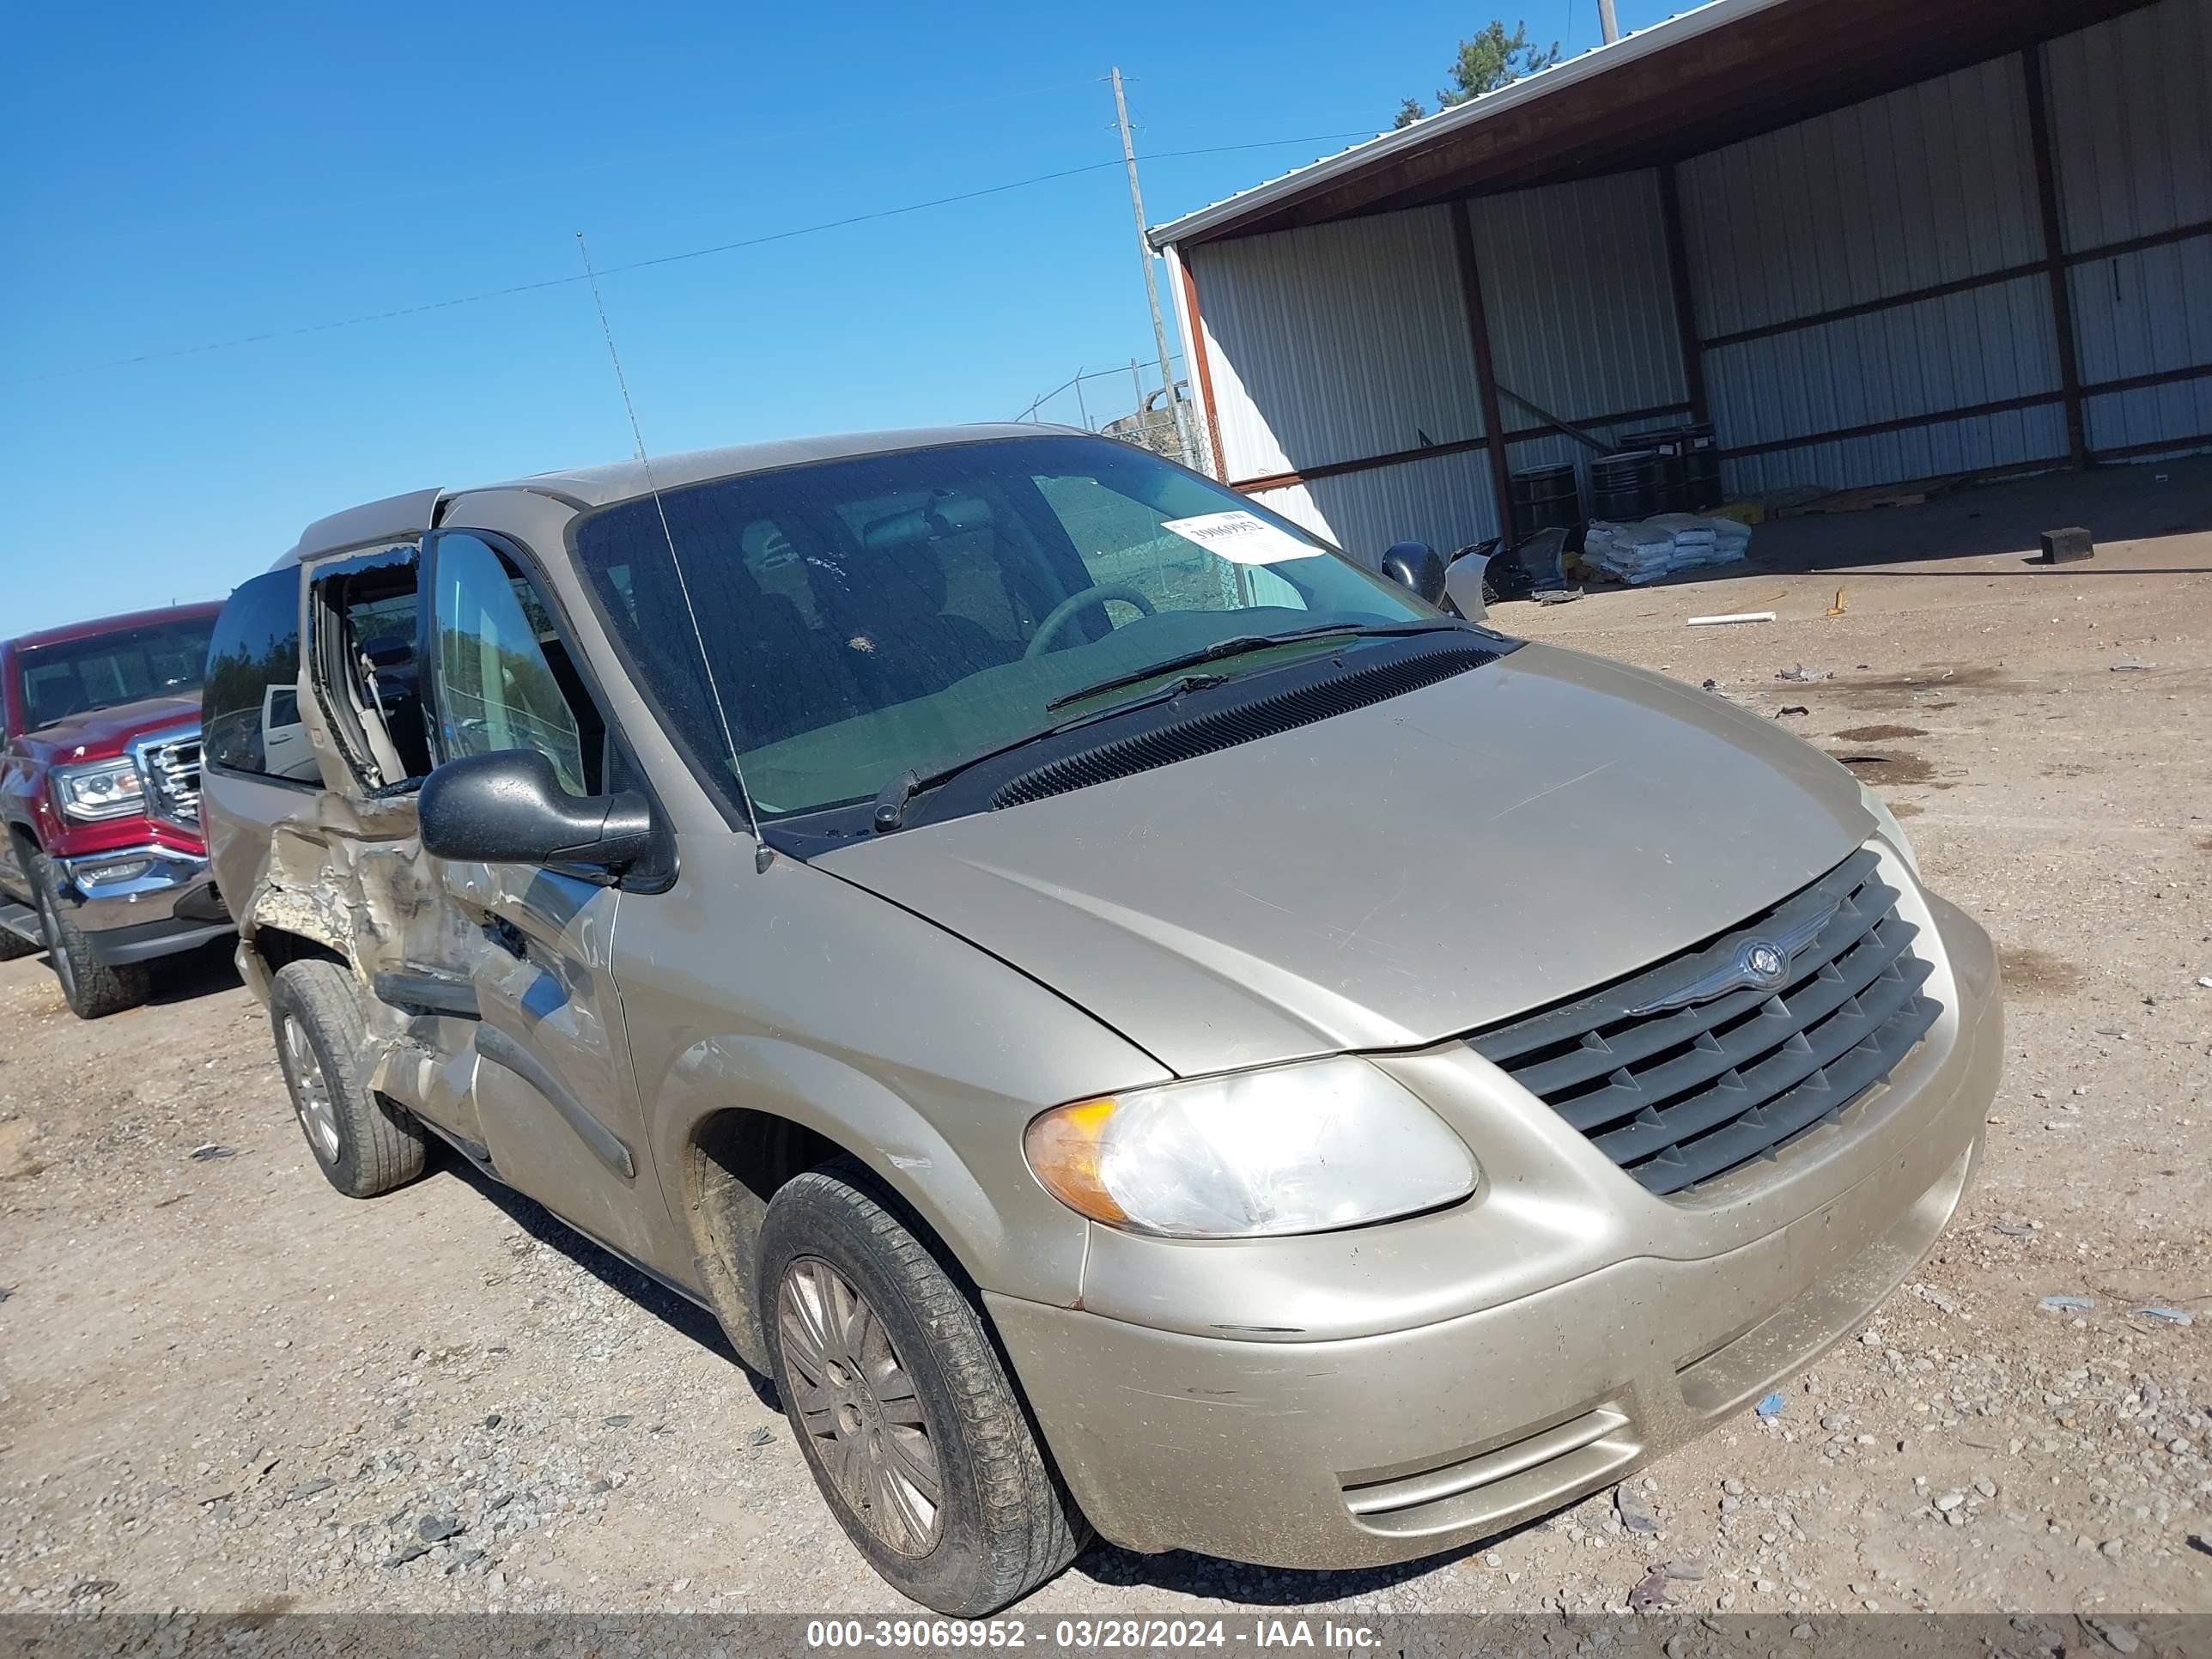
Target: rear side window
[(251, 704)]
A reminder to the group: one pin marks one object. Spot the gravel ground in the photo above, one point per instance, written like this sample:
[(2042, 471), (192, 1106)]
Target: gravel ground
[(224, 1387)]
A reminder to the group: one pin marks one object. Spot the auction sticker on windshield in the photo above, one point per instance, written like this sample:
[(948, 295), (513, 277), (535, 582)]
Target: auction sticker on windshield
[(1240, 538)]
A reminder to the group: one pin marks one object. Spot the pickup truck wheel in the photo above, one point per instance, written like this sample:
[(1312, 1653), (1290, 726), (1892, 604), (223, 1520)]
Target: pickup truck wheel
[(14, 946), (900, 1403), (92, 988), (363, 1144)]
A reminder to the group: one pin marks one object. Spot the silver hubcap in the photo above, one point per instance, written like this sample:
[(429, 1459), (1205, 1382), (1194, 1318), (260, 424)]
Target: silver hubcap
[(859, 1406), (311, 1091)]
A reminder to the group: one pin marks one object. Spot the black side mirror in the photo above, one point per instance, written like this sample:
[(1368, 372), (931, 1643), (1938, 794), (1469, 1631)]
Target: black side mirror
[(1418, 566), (509, 808)]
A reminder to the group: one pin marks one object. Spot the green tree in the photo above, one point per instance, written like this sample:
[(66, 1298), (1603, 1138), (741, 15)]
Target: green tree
[(1488, 59)]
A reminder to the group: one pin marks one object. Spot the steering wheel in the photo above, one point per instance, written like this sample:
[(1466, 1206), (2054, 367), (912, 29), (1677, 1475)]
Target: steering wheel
[(1074, 605)]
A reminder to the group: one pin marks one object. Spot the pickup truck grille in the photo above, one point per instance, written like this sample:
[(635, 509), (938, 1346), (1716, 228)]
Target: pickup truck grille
[(1680, 1079), (173, 778)]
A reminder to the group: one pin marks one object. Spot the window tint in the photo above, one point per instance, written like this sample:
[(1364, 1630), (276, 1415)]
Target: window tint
[(866, 616), (1122, 545), (251, 704), (504, 680), (776, 565), (161, 659)]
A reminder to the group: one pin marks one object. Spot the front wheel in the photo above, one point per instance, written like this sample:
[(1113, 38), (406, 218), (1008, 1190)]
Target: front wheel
[(92, 988), (899, 1402)]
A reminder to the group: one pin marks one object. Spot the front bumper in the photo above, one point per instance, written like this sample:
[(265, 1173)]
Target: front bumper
[(1397, 1438), (138, 903)]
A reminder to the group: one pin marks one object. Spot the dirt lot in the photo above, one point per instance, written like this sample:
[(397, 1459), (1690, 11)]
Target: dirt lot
[(222, 1386)]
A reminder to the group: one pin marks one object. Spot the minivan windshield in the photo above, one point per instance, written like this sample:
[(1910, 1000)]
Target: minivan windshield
[(78, 676), (866, 617)]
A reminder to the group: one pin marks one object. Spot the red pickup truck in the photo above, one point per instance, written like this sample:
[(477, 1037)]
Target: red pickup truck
[(101, 861)]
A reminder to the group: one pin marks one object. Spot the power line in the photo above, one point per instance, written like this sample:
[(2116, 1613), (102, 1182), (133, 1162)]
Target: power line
[(698, 152), (514, 289)]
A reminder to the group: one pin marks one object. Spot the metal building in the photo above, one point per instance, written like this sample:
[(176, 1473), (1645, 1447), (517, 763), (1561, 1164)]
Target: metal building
[(1896, 241)]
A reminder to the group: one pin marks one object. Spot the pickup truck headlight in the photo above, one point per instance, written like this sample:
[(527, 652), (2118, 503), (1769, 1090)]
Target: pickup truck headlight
[(1293, 1149), (1885, 822), (102, 789)]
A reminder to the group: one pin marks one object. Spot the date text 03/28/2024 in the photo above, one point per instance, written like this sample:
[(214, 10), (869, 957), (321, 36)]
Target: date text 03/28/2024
[(1084, 1635)]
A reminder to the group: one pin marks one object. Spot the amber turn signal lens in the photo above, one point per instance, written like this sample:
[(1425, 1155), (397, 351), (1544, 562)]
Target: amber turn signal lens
[(1063, 1147)]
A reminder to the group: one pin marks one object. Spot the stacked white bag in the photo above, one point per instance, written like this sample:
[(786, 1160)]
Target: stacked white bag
[(1643, 552)]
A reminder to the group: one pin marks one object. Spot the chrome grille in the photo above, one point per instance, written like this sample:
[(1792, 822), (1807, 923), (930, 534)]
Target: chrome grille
[(173, 778), (1678, 1095)]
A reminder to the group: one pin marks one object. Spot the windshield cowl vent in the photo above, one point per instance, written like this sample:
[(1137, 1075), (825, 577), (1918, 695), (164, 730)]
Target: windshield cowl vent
[(1204, 734)]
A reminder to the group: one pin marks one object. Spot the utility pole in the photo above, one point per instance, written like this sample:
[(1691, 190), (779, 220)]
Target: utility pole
[(1152, 281), (1608, 24)]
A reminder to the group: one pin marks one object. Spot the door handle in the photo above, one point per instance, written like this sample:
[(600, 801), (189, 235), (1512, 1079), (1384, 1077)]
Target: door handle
[(506, 935)]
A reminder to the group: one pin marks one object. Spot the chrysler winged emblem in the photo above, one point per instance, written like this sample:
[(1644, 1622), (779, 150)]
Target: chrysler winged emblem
[(1757, 964)]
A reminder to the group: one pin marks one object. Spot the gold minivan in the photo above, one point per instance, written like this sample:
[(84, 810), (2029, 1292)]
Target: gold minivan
[(1135, 1021)]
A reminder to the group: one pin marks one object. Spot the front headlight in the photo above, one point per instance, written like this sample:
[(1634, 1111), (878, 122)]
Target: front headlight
[(104, 789), (1892, 831), (1294, 1149)]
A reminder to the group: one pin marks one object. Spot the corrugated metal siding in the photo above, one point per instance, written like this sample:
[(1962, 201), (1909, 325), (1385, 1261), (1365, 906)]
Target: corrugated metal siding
[(1582, 308), (1348, 341), (1337, 343), (1984, 444), (1924, 185), (2143, 312), (1986, 346), (2179, 415), (1445, 501), (2131, 130), (2131, 124)]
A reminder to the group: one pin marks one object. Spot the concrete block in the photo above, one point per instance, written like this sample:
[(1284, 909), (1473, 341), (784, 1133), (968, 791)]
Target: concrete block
[(2065, 546)]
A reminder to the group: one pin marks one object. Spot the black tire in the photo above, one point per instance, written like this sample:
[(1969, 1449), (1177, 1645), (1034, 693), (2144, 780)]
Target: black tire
[(14, 947), (1004, 1523), (363, 1143), (94, 989)]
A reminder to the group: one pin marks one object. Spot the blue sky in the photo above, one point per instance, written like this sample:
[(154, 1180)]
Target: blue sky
[(181, 176)]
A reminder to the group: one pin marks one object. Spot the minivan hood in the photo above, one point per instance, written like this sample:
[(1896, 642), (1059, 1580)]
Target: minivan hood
[(1391, 877)]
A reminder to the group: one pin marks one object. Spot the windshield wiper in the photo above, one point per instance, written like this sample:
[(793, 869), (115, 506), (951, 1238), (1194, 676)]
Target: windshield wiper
[(889, 810), (1239, 645)]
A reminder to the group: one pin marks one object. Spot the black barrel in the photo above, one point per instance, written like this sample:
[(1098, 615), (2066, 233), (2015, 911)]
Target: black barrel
[(1701, 458), (1670, 448), (1546, 498), (1624, 488)]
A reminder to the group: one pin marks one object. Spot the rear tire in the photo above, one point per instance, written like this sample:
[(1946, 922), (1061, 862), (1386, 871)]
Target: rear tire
[(363, 1144), (905, 1381), (94, 989), (14, 947)]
